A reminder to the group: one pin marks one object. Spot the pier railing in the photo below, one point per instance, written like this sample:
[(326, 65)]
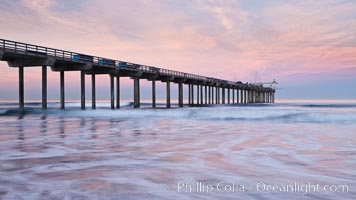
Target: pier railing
[(40, 51)]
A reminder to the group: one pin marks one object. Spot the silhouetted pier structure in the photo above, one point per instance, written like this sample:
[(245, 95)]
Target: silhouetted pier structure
[(209, 90)]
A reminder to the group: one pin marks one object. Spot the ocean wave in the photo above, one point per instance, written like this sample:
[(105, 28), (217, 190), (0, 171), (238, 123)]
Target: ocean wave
[(329, 105), (259, 112)]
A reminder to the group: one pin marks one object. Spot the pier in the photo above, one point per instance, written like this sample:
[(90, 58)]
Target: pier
[(209, 90)]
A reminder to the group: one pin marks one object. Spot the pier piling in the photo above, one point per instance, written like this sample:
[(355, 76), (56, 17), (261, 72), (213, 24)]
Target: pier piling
[(112, 93), (21, 88), (93, 92), (44, 87), (153, 93), (117, 92), (168, 93), (82, 86), (206, 94), (180, 94), (62, 97), (136, 92), (192, 89), (201, 94)]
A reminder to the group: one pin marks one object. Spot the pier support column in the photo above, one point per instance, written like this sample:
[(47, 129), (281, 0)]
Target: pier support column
[(117, 92), (245, 96), (112, 93), (251, 96), (212, 95), (168, 94), (82, 92), (192, 93), (266, 97), (237, 96), (209, 95), (223, 95), (228, 95), (44, 87), (216, 95), (273, 97), (93, 92), (21, 88), (206, 94), (241, 96), (259, 97), (219, 95), (180, 94), (260, 94), (62, 89), (233, 96), (198, 94), (136, 92), (189, 94), (153, 93), (201, 94), (269, 97)]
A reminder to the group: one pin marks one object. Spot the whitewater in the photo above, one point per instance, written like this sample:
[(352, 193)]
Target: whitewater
[(246, 151)]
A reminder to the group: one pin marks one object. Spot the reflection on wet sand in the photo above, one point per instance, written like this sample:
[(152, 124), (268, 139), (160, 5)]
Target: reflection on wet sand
[(144, 155)]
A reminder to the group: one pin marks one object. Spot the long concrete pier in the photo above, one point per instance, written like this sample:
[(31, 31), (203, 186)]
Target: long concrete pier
[(208, 90)]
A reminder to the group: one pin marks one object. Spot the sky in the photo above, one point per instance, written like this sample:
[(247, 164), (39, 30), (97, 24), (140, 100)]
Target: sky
[(309, 47)]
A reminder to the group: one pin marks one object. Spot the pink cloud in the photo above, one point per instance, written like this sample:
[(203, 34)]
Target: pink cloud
[(213, 38)]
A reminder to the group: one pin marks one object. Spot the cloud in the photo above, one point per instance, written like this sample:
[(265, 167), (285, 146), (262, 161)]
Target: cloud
[(211, 37)]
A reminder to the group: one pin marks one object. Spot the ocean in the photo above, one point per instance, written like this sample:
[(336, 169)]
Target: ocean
[(290, 150)]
